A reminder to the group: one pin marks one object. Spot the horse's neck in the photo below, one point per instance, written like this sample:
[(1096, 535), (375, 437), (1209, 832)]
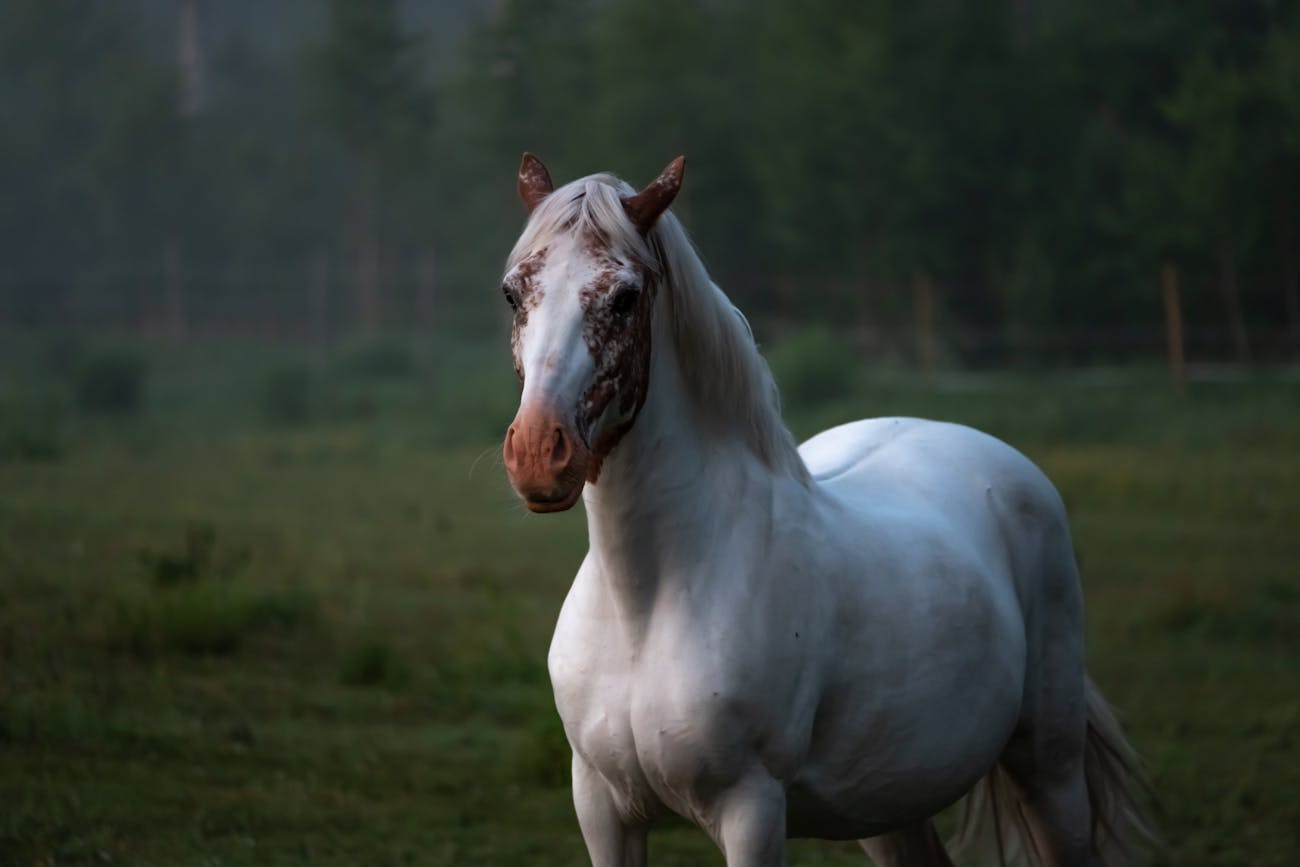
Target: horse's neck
[(665, 493)]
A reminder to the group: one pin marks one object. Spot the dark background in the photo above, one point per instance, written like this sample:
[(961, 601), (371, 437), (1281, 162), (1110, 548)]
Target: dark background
[(309, 170)]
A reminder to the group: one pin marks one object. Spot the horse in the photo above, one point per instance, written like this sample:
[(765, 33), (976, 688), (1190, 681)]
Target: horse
[(836, 640)]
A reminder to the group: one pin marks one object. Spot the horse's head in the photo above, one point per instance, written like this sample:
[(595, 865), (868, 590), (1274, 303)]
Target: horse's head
[(581, 283)]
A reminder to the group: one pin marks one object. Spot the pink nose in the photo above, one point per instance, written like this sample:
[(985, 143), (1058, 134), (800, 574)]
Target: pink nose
[(553, 463), (547, 464)]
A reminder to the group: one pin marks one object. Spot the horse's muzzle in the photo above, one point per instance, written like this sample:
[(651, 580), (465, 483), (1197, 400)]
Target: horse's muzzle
[(545, 459)]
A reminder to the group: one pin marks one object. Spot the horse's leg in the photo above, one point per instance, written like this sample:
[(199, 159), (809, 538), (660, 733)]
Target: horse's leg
[(1054, 797), (915, 846), (611, 841), (750, 823), (1045, 756)]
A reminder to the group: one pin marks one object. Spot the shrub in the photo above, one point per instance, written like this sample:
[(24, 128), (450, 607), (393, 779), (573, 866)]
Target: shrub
[(372, 663), (191, 563), (287, 394), (198, 600), (543, 755), (29, 439), (203, 617), (813, 367), (378, 358), (110, 382)]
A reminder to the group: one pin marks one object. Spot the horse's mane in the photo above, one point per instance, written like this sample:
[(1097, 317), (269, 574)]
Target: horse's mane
[(726, 376)]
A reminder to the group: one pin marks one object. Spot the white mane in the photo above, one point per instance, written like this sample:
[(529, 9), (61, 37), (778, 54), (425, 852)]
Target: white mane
[(710, 336)]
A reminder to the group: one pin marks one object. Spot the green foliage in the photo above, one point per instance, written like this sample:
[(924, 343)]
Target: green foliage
[(203, 617), (365, 80), (287, 393), (813, 367), (1041, 161), (200, 600), (372, 663), (22, 441), (378, 358), (111, 381), (544, 757), (30, 430)]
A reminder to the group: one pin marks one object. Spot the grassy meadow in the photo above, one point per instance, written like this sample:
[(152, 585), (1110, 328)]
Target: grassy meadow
[(266, 607)]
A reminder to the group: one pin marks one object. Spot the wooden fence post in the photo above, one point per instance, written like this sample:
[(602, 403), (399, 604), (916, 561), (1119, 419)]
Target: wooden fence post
[(923, 293)]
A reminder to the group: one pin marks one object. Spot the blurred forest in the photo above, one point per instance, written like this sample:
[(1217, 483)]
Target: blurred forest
[(1018, 170)]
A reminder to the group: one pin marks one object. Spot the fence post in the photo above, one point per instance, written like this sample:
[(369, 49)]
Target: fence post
[(923, 293)]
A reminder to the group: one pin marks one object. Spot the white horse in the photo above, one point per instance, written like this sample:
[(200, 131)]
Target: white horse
[(832, 641)]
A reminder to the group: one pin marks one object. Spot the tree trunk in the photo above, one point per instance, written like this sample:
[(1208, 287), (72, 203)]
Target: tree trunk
[(177, 323), (1173, 327), (1231, 291), (189, 57), (1288, 242), (367, 276), (318, 305)]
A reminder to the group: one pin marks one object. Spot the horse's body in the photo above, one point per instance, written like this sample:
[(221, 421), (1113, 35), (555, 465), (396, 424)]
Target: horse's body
[(836, 642), (862, 638)]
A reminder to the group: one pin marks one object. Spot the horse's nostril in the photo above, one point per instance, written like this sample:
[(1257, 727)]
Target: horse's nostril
[(560, 450), (508, 450)]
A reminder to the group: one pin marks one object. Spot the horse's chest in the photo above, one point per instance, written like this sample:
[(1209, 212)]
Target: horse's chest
[(655, 738)]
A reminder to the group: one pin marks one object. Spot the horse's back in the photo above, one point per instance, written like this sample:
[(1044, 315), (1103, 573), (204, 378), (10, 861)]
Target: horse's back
[(950, 476), (890, 447)]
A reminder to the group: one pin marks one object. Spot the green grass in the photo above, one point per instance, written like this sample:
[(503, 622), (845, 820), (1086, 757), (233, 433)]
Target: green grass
[(230, 635)]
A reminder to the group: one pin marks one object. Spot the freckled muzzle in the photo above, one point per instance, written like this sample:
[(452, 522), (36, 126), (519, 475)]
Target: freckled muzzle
[(545, 459)]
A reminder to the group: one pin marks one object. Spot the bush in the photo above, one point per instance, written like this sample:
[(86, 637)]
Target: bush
[(191, 563), (287, 394), (543, 756), (29, 436), (110, 382), (372, 663), (814, 367), (197, 599), (203, 617), (378, 358)]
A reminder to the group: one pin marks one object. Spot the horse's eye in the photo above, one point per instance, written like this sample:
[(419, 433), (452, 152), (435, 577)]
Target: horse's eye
[(624, 301), (511, 299)]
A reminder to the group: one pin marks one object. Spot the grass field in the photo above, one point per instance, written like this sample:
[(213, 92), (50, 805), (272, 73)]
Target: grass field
[(275, 610)]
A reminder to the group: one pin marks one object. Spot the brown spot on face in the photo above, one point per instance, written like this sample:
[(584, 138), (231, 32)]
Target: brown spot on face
[(619, 341), (528, 294)]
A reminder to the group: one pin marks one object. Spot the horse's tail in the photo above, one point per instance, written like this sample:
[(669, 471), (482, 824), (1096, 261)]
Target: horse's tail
[(1116, 785)]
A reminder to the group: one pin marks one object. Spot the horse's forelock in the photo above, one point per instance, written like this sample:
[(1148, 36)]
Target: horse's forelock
[(590, 207)]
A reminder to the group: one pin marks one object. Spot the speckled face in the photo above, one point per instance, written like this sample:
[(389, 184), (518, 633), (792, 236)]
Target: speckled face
[(583, 306), (581, 336)]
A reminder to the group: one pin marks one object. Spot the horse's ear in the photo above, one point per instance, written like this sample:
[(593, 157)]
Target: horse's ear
[(534, 181), (646, 206)]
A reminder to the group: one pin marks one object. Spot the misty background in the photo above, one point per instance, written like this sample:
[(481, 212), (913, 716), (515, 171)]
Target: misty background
[(1004, 179)]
